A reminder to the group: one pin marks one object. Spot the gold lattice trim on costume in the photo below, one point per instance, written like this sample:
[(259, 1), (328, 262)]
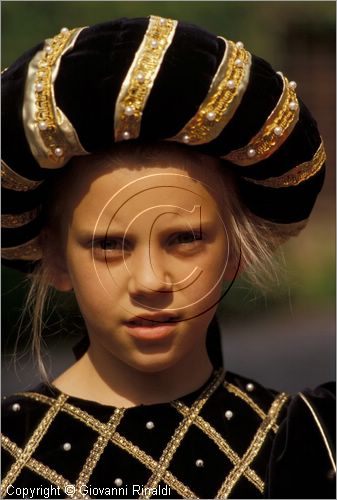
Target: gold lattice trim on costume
[(98, 448), (222, 445), (224, 96), (11, 221), (296, 175), (14, 181), (274, 132), (117, 440), (51, 137), (30, 250), (141, 76), (107, 433), (254, 448), (180, 432), (242, 395), (32, 443), (40, 469)]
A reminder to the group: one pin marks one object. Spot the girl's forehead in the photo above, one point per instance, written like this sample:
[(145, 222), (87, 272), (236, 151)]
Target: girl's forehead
[(112, 188), (132, 175)]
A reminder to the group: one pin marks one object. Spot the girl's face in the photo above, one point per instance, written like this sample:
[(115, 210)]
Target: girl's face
[(146, 253)]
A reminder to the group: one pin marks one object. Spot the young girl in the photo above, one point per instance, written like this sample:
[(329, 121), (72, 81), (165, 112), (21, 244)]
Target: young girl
[(146, 163)]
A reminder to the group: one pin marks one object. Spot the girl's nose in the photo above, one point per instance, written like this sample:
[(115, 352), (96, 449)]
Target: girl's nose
[(147, 278)]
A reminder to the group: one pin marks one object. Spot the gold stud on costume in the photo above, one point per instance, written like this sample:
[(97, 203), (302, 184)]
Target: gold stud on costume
[(137, 85)]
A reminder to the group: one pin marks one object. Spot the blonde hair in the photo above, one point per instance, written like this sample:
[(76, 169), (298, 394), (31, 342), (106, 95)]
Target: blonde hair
[(254, 240)]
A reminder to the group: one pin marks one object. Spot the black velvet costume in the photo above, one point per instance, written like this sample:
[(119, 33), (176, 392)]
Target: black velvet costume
[(126, 83), (232, 438)]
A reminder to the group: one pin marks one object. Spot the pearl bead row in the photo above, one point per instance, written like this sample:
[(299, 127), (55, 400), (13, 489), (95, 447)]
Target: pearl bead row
[(211, 115), (278, 131), (40, 87)]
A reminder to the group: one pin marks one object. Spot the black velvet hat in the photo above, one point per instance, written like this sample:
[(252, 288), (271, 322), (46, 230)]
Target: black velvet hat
[(151, 79)]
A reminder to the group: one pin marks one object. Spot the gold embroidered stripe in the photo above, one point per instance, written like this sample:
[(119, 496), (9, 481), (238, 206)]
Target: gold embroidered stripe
[(98, 448), (296, 175), (141, 76), (274, 132), (253, 449), (224, 96), (118, 440), (235, 390), (34, 441), (30, 250), (50, 135), (222, 445), (180, 432), (42, 470), (14, 181), (17, 220)]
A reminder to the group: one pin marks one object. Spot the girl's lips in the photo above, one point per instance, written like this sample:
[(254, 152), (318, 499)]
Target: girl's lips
[(150, 331)]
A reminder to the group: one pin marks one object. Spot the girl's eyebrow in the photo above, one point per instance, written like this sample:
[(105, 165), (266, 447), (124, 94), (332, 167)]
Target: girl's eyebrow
[(177, 226)]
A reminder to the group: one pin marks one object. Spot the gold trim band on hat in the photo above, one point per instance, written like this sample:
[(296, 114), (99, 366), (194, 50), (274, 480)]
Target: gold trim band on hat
[(274, 132), (141, 76), (50, 135), (11, 221), (224, 96), (13, 180), (31, 250), (296, 175)]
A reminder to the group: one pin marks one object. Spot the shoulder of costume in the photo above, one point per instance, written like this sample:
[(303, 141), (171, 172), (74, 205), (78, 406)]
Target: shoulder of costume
[(303, 458)]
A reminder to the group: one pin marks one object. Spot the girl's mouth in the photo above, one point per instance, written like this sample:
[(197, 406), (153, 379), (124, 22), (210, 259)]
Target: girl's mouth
[(154, 329)]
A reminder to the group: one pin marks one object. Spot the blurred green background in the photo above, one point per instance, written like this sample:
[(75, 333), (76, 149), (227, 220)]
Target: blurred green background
[(297, 38)]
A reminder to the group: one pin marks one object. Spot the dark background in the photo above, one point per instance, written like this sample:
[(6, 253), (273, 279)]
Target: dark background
[(284, 338)]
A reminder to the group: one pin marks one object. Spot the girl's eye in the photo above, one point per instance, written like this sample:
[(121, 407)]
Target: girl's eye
[(185, 238), (111, 246)]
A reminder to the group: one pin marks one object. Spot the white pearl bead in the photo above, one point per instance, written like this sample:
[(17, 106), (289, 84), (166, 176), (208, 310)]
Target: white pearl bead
[(42, 125), (278, 131), (140, 77), (250, 387), (292, 85), (64, 30), (199, 462), (251, 153), (293, 106), (154, 44), (229, 414), (129, 111), (238, 62), (16, 407), (118, 481), (39, 87), (48, 49), (231, 84), (186, 139), (149, 425), (210, 116), (162, 21), (66, 446), (239, 45), (126, 135), (58, 152)]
